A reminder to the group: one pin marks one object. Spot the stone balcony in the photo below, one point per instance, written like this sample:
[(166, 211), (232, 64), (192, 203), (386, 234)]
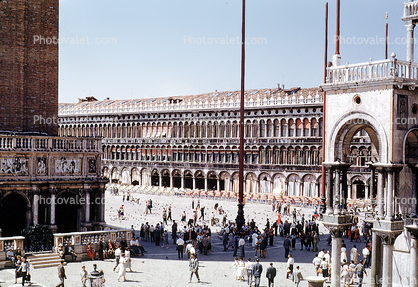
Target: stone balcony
[(391, 71), (410, 11), (34, 158)]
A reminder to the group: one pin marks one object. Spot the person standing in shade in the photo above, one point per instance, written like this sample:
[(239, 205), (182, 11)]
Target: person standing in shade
[(366, 254), (180, 247), (257, 269), (359, 271), (270, 274), (194, 267), (61, 274), (241, 246), (286, 245), (297, 276)]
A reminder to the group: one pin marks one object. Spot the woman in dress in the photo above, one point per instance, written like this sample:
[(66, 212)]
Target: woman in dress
[(90, 251), (165, 239), (122, 267), (241, 269), (345, 276), (343, 254), (353, 254), (128, 259), (235, 266), (18, 262)]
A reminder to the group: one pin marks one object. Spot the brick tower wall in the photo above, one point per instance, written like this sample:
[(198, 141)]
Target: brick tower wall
[(29, 66)]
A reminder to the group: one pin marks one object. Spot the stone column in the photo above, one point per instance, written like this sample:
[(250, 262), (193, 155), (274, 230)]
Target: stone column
[(376, 269), (372, 176), (388, 236), (217, 185), (52, 191), (389, 193), (336, 230), (380, 196), (206, 184), (366, 192), (194, 182), (413, 230), (344, 168), (414, 189), (349, 191), (337, 200), (160, 180), (182, 182), (87, 204), (35, 205), (410, 41), (387, 263), (329, 190), (171, 181)]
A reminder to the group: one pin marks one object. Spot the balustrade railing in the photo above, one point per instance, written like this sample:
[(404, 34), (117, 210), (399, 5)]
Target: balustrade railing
[(80, 239), (45, 143), (410, 9), (373, 71), (13, 243), (266, 101)]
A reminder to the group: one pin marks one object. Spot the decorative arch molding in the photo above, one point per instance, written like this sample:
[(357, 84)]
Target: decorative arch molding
[(344, 129), (25, 198)]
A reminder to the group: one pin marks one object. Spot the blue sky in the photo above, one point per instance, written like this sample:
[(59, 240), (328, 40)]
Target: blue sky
[(140, 49)]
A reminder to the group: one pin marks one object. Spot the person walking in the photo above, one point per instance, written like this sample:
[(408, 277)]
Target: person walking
[(249, 267), (118, 252), (193, 268), (241, 246), (289, 271), (366, 254), (61, 274), (24, 270), (83, 276), (297, 276), (270, 274), (122, 267), (359, 271), (258, 270)]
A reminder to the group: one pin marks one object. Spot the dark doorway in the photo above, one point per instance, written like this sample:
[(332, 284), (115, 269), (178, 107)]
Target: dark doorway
[(200, 181), (212, 182), (166, 179), (12, 215), (188, 181), (66, 212), (222, 184), (360, 190), (155, 179)]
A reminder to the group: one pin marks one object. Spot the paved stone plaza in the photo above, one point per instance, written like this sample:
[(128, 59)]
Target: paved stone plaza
[(160, 266)]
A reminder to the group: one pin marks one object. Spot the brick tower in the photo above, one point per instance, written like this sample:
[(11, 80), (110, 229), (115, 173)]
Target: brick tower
[(29, 66)]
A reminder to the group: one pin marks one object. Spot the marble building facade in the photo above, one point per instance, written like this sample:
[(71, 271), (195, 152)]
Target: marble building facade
[(193, 141)]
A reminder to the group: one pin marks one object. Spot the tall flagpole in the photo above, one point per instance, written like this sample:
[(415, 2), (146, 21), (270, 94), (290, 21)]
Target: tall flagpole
[(386, 38), (323, 200), (240, 217)]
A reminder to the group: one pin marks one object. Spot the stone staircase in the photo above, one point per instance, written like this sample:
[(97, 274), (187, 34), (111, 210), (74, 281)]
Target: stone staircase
[(42, 260)]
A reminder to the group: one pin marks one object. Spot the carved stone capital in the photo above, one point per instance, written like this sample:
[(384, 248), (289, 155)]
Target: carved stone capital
[(387, 237)]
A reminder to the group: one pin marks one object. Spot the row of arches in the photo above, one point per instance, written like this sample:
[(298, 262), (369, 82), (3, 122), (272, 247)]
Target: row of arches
[(265, 128), (290, 155)]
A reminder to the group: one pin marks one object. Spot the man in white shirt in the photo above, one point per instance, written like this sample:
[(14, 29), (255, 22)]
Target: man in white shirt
[(241, 246), (290, 263), (366, 253), (190, 249), (180, 246), (134, 245), (317, 262), (10, 255), (328, 257), (249, 268), (118, 252), (321, 253)]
